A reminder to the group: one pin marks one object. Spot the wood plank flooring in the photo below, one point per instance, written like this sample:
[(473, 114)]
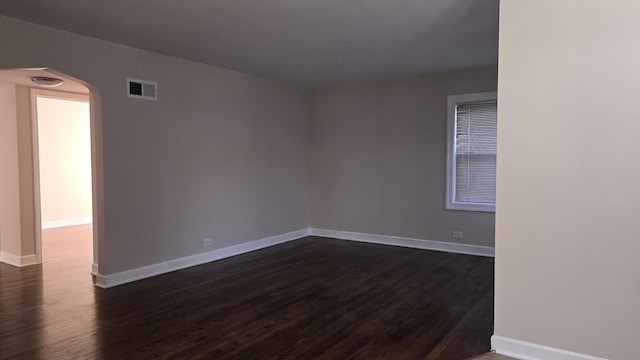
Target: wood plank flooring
[(314, 298)]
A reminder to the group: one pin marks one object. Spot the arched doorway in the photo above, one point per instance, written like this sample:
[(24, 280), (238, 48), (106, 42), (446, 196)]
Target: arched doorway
[(23, 246)]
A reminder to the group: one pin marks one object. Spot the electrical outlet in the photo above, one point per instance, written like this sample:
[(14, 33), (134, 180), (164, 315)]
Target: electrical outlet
[(207, 242), (456, 234)]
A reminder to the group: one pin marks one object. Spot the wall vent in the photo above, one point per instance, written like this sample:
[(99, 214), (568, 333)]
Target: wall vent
[(141, 89)]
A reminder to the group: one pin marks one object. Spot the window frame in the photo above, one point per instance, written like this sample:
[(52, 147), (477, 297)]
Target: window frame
[(452, 102)]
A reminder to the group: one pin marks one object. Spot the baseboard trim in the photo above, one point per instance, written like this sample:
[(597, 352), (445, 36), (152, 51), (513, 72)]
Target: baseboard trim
[(406, 242), (111, 280), (18, 261), (100, 281), (530, 351), (67, 222)]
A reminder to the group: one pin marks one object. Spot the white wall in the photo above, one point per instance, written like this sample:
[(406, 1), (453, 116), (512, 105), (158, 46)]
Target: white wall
[(567, 246), (379, 158), (9, 179), (220, 155), (65, 161)]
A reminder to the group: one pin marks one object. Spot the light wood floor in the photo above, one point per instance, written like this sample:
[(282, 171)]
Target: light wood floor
[(72, 245), (314, 298)]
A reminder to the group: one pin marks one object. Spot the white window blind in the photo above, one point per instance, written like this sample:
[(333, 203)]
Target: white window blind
[(475, 152), (471, 151)]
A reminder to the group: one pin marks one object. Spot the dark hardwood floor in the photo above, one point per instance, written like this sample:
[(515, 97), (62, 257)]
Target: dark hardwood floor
[(314, 298)]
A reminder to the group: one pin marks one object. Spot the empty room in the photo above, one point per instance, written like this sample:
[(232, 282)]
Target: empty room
[(412, 179)]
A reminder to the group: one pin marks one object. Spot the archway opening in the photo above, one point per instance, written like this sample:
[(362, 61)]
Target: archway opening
[(22, 213)]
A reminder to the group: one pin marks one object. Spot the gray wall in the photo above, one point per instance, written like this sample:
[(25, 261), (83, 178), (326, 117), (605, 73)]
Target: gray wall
[(378, 162), (220, 155)]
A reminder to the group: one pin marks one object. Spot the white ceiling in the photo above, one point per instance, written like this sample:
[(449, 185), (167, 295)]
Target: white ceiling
[(304, 42)]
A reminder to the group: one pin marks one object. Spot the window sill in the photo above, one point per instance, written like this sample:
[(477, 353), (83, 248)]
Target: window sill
[(472, 207)]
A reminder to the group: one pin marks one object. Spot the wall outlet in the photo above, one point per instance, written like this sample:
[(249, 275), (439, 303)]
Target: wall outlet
[(456, 234), (207, 242)]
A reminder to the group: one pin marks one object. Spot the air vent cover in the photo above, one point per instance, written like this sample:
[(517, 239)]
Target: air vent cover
[(141, 89)]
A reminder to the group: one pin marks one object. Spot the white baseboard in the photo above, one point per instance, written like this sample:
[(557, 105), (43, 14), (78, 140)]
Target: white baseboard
[(98, 280), (94, 269), (193, 260), (107, 281), (529, 351), (67, 222), (406, 242), (16, 260), (101, 281)]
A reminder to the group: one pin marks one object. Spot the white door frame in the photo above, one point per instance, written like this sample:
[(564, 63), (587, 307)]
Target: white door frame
[(61, 95)]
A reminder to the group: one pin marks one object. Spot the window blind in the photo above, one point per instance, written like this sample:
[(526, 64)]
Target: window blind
[(475, 157)]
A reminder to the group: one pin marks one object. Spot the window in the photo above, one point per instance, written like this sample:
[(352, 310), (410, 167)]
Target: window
[(471, 151)]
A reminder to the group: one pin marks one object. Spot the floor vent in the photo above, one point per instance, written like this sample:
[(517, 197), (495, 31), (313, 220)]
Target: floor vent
[(141, 89)]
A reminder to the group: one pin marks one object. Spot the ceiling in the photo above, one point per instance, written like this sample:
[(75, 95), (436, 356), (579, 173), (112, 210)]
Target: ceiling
[(304, 42)]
